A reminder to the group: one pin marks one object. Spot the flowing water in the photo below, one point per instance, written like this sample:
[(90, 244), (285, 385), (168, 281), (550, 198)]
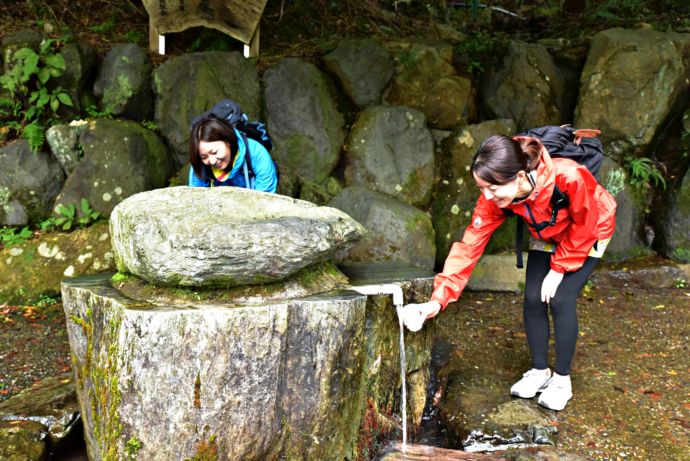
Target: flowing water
[(403, 399)]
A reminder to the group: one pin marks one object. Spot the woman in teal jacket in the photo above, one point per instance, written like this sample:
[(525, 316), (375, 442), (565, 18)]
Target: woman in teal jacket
[(218, 155)]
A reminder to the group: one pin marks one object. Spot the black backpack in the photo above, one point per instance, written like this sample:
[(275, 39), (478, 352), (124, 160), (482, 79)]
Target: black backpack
[(562, 141), (231, 112)]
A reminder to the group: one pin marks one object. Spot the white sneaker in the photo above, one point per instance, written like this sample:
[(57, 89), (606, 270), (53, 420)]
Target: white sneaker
[(532, 382), (557, 393)]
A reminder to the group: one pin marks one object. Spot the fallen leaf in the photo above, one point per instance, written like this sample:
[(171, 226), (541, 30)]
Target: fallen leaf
[(683, 422), (651, 394)]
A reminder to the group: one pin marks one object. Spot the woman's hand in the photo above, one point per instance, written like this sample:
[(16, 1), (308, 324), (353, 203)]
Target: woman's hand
[(550, 285), (414, 315)]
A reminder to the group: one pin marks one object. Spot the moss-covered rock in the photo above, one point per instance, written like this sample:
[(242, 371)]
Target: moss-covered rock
[(247, 378), (38, 266), (303, 118)]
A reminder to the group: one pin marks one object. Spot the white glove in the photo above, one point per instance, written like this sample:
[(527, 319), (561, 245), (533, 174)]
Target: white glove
[(414, 315), (550, 285)]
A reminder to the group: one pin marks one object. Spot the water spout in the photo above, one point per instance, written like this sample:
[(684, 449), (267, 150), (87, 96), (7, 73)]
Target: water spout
[(384, 289)]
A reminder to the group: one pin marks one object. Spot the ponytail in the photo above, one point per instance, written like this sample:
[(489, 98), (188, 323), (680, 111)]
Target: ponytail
[(532, 150)]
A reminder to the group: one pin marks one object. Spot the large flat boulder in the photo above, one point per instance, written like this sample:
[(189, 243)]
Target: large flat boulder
[(224, 236)]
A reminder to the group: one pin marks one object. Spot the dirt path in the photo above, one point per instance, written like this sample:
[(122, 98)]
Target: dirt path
[(33, 346), (631, 375)]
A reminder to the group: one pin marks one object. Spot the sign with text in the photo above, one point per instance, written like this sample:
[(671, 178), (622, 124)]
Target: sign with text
[(237, 18)]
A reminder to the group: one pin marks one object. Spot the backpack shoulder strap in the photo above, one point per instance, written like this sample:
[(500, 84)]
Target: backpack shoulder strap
[(248, 170), (558, 201), (247, 157)]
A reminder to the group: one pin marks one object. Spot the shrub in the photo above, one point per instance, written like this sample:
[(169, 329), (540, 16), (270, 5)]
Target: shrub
[(31, 100)]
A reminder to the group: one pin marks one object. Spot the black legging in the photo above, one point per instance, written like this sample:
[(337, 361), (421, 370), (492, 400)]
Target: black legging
[(563, 311)]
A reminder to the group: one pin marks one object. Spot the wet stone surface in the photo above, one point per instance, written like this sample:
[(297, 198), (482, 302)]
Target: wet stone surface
[(51, 402)]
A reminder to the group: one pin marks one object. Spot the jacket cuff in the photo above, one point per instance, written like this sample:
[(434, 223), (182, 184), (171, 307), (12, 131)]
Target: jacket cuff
[(440, 301), (558, 269)]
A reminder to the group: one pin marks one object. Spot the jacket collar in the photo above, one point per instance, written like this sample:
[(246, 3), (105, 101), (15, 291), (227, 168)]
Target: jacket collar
[(545, 179), (241, 152)]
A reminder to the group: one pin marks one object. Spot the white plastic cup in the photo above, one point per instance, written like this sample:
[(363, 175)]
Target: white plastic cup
[(412, 318)]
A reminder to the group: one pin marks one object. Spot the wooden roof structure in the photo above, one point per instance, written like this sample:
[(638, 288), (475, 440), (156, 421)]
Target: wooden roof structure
[(237, 18)]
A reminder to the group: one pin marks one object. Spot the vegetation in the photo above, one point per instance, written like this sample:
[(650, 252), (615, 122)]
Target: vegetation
[(32, 101), (68, 217), (475, 48), (132, 447), (299, 28), (643, 173), (9, 236)]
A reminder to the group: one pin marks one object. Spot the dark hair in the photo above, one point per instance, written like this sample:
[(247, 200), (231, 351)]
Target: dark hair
[(499, 159), (210, 130)]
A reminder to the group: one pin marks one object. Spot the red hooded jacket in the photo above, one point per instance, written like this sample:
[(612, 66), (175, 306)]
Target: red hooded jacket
[(590, 216)]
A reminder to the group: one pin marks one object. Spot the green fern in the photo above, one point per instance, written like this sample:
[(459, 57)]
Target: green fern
[(34, 134), (643, 172)]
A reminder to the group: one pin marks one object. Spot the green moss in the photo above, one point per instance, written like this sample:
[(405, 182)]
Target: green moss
[(29, 255), (97, 376), (120, 277), (4, 196), (314, 279), (132, 447), (119, 95), (681, 254)]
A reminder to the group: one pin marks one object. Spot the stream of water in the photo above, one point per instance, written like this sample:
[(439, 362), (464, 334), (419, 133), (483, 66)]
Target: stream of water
[(403, 399)]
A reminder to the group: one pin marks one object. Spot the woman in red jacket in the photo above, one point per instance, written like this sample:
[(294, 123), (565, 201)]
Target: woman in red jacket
[(519, 174)]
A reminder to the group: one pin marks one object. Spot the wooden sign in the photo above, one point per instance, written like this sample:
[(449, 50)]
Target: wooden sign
[(237, 18)]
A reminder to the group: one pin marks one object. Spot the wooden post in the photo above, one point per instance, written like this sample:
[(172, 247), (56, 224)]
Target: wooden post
[(252, 49), (156, 41)]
